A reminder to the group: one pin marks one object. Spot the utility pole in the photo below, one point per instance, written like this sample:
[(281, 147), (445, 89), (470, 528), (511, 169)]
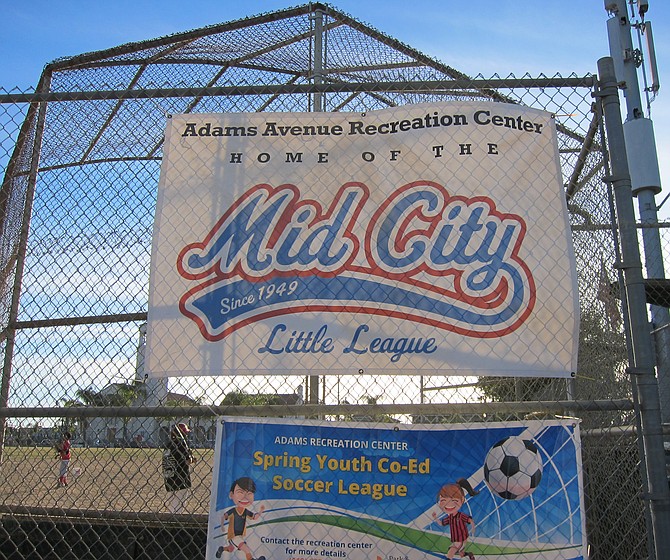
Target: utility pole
[(644, 173)]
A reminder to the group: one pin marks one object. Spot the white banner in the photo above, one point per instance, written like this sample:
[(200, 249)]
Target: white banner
[(419, 240)]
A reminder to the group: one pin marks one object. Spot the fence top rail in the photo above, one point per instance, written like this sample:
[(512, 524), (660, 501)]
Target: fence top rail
[(285, 89), (313, 410)]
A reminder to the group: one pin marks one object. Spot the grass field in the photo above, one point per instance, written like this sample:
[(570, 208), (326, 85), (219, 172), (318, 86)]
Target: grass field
[(119, 479)]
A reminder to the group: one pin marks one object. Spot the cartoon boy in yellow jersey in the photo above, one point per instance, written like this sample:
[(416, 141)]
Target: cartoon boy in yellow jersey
[(242, 494)]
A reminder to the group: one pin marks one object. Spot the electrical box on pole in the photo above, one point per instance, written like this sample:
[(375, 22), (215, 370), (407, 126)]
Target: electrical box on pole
[(642, 156)]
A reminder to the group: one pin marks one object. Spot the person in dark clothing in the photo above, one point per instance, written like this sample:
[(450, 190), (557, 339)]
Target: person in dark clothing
[(177, 460)]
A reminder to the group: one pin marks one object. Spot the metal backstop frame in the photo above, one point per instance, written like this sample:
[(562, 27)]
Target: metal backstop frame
[(74, 287)]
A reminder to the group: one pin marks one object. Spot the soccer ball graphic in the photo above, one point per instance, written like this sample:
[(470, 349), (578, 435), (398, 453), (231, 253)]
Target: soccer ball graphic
[(513, 468)]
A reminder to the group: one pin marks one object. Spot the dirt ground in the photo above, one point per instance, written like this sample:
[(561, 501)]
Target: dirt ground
[(120, 479)]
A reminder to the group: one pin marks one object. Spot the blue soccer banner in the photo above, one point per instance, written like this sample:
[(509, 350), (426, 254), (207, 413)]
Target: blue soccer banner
[(418, 239), (309, 490)]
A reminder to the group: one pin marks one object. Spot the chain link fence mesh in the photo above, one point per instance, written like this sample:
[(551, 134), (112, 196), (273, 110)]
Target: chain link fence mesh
[(80, 161)]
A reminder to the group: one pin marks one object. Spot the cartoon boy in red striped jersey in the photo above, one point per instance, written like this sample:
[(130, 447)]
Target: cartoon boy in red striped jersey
[(450, 499)]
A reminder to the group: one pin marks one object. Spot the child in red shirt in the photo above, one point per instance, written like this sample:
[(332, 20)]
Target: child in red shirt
[(63, 449)]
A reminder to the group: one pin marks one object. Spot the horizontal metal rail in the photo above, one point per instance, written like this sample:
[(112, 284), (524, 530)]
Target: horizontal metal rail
[(309, 410), (106, 517), (288, 89), (86, 320)]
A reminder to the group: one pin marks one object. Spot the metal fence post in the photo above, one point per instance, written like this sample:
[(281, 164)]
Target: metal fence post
[(317, 69), (642, 367), (5, 375)]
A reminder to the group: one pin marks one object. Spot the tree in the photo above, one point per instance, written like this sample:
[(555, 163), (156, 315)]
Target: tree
[(600, 374), (70, 424), (90, 397), (240, 398), (118, 394), (385, 418)]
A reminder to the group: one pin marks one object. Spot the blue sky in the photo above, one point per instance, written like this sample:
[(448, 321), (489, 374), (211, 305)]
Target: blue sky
[(484, 37)]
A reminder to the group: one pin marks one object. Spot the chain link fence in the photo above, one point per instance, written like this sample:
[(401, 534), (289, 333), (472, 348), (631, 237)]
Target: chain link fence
[(80, 159)]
